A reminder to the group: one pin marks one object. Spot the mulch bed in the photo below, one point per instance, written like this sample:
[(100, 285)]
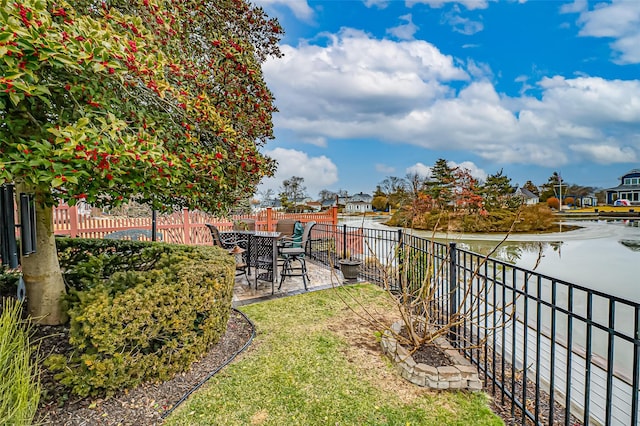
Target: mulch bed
[(513, 415), (144, 405), (428, 353), (432, 355)]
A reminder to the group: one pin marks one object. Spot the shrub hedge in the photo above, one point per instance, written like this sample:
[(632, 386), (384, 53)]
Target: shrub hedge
[(8, 281), (139, 311)]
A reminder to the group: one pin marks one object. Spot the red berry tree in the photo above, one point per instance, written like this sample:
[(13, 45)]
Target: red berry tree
[(161, 102)]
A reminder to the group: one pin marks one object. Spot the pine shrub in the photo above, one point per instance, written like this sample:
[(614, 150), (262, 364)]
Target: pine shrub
[(140, 311)]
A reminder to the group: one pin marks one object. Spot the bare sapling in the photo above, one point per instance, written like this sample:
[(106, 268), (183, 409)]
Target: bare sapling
[(416, 275)]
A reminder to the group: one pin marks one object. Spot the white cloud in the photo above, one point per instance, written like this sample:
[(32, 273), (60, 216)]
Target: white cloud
[(603, 154), (629, 48), (461, 24), (380, 4), (575, 7), (524, 80), (315, 140), (474, 170), (354, 79), (589, 101), (383, 168), (619, 20), (408, 92), (318, 172), (419, 169), (479, 70), (425, 171), (529, 153), (300, 8), (404, 31), (469, 4)]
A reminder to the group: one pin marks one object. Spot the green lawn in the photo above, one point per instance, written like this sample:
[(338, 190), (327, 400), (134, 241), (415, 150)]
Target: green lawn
[(316, 362)]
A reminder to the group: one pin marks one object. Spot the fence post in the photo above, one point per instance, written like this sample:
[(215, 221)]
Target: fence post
[(73, 221), (344, 241), (270, 226), (334, 215), (186, 226), (400, 256), (453, 291), (154, 225)]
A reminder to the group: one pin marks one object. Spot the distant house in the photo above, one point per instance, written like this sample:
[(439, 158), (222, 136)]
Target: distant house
[(328, 203), (359, 203), (587, 200), (528, 197), (315, 205), (273, 203), (629, 189)]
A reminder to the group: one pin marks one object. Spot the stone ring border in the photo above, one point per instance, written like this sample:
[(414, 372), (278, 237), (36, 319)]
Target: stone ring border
[(460, 375)]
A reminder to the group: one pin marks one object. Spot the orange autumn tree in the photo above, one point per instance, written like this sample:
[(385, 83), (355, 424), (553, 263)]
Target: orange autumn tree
[(467, 196), (161, 102), (553, 202)]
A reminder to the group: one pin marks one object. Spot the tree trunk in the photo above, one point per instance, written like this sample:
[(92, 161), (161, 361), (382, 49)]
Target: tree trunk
[(41, 270)]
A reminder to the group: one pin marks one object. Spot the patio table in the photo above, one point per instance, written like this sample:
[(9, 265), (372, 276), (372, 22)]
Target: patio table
[(262, 253)]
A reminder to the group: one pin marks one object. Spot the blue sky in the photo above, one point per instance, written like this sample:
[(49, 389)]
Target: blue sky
[(373, 88)]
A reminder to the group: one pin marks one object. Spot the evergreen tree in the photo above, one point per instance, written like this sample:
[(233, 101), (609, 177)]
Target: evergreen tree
[(496, 191), (379, 192), (551, 187), (531, 187), (440, 185)]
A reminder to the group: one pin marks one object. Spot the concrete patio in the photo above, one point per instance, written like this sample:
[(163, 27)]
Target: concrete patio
[(320, 277)]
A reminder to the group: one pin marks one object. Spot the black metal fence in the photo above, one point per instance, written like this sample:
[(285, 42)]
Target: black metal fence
[(552, 351)]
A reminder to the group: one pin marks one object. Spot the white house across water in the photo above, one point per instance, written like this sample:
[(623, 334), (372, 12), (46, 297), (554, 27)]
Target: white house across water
[(359, 203)]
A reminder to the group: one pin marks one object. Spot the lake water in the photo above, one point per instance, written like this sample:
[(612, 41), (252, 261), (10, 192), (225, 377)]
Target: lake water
[(600, 255)]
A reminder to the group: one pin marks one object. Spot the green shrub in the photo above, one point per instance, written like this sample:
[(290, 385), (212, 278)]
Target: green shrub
[(88, 262), (19, 386), (534, 218), (134, 325), (8, 281)]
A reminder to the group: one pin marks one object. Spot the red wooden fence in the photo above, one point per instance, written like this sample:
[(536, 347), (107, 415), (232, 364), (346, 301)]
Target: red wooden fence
[(183, 227)]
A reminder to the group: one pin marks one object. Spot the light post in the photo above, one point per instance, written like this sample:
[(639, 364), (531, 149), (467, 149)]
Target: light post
[(560, 198)]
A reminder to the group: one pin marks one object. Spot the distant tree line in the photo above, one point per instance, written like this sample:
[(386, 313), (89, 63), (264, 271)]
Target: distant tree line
[(445, 188), (450, 197)]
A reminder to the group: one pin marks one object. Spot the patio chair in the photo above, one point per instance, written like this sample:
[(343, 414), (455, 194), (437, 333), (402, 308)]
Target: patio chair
[(226, 242), (295, 252), (239, 255), (285, 227), (295, 238), (244, 225), (234, 246)]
